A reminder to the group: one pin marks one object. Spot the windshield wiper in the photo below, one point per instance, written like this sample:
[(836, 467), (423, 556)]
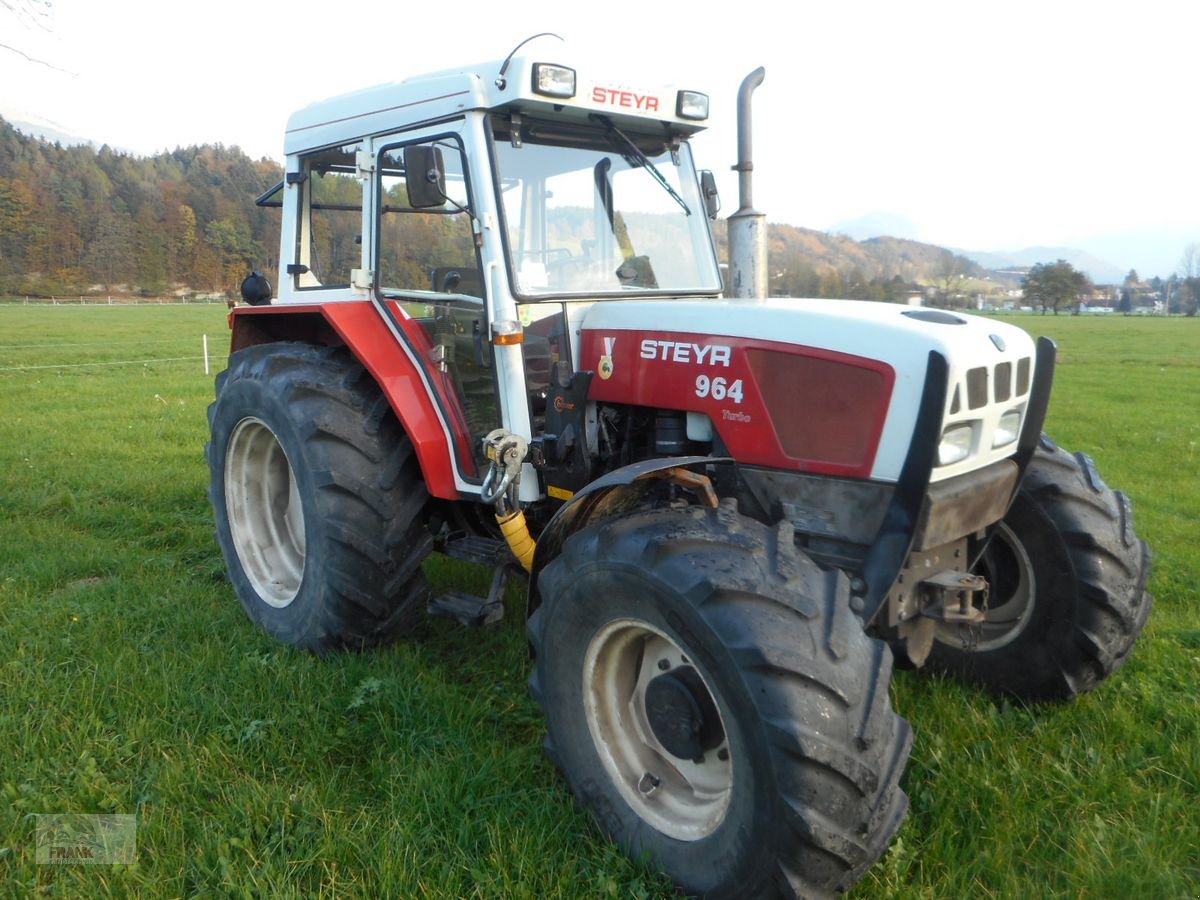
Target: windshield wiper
[(643, 160)]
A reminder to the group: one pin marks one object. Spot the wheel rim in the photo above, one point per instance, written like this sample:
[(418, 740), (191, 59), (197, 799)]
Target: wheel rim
[(266, 519), (685, 799), (1011, 597)]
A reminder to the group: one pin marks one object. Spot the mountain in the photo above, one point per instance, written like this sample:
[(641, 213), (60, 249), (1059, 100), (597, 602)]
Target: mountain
[(887, 226), (877, 224), (37, 127), (1099, 270), (875, 258), (1151, 252), (808, 263)]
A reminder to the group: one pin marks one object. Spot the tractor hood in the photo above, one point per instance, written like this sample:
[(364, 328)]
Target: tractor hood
[(828, 386)]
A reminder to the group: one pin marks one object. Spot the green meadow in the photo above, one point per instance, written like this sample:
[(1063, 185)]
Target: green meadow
[(131, 682)]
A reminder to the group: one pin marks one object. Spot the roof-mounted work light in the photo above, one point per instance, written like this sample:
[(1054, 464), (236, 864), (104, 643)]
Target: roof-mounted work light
[(691, 105), (553, 80)]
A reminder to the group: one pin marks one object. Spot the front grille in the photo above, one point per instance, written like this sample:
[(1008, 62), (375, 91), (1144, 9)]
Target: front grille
[(975, 385)]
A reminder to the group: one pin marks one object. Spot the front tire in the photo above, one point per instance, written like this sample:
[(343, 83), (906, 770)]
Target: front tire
[(715, 704), (318, 498), (1068, 595)]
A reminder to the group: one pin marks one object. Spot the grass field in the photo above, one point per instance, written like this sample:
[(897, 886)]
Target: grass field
[(131, 682)]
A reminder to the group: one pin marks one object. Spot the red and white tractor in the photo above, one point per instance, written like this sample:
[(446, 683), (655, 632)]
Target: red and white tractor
[(500, 334)]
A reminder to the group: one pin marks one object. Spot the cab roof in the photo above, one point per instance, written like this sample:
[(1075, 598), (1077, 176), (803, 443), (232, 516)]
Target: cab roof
[(440, 95)]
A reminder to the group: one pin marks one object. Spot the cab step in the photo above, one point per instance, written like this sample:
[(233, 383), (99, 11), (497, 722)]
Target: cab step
[(484, 551), (469, 609), (466, 609)]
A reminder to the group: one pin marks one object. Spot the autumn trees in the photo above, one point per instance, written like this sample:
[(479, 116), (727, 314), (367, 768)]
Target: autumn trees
[(74, 219)]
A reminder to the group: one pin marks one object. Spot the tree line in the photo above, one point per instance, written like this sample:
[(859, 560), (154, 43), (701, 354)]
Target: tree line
[(76, 219)]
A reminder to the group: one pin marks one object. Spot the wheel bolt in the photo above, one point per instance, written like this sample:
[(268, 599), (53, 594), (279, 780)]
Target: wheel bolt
[(648, 785), (664, 664), (723, 754)]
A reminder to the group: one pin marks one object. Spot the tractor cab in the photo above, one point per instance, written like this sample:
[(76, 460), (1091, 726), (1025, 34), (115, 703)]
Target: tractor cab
[(493, 205)]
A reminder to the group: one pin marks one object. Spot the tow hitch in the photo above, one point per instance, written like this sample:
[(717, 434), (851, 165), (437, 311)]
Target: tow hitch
[(954, 596)]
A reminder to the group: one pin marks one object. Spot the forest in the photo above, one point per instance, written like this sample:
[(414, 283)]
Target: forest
[(82, 220)]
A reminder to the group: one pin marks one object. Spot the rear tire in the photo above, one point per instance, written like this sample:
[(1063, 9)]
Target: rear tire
[(715, 704), (318, 498), (1068, 595)]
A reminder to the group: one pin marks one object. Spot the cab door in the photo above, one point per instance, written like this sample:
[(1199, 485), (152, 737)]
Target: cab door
[(427, 257)]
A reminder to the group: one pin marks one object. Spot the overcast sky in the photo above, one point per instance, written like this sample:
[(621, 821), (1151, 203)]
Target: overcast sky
[(990, 126)]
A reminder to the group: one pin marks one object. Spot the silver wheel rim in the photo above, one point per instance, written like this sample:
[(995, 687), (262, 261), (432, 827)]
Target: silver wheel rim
[(1013, 593), (684, 799), (266, 520)]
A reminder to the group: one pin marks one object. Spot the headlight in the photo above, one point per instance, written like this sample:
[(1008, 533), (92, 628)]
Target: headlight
[(553, 80), (1008, 428), (956, 443), (691, 105)]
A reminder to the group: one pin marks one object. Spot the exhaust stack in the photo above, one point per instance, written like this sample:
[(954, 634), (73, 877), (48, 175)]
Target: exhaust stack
[(747, 226)]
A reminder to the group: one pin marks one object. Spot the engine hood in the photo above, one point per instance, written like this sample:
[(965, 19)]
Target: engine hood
[(651, 348)]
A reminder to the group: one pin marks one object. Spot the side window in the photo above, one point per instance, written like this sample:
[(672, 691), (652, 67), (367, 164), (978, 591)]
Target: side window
[(329, 238), (425, 240)]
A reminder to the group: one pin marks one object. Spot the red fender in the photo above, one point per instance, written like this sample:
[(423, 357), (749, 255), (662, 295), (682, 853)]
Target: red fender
[(423, 398)]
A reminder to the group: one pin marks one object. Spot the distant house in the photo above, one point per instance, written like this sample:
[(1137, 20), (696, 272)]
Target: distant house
[(1102, 299)]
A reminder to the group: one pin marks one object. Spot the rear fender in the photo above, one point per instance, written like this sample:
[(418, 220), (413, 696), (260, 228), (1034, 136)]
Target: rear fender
[(422, 397)]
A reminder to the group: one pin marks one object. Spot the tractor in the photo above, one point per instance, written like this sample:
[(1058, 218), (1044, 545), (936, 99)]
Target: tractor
[(501, 333)]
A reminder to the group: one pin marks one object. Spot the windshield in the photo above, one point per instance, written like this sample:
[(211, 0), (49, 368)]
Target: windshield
[(589, 210)]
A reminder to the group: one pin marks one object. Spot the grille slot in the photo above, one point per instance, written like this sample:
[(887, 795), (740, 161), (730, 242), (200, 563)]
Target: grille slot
[(1023, 377), (977, 387), (1003, 382)]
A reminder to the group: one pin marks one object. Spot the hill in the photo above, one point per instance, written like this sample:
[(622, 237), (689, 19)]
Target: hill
[(76, 219), (1100, 271), (809, 263)]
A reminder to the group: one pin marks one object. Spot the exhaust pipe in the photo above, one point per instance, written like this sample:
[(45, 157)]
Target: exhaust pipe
[(747, 226)]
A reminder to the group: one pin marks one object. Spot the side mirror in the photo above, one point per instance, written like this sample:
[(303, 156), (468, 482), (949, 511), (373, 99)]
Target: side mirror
[(424, 176), (708, 188)]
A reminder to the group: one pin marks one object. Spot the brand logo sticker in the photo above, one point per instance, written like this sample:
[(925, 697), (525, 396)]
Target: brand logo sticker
[(605, 367)]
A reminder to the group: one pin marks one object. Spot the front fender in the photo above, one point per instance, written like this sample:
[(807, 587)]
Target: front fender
[(612, 494)]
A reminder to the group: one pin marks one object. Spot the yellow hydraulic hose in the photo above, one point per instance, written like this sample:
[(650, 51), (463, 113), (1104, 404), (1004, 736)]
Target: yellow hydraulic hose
[(520, 541)]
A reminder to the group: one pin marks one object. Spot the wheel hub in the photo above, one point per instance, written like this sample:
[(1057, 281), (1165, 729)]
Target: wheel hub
[(266, 519), (657, 729), (682, 714)]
